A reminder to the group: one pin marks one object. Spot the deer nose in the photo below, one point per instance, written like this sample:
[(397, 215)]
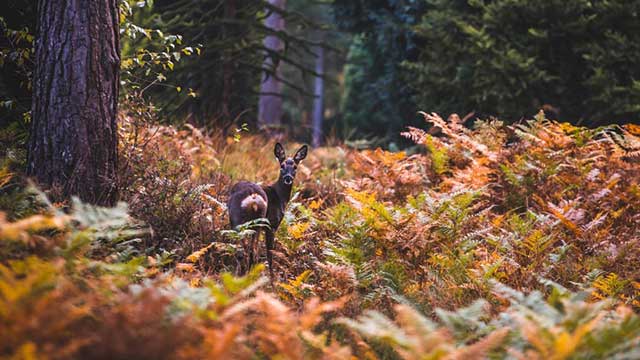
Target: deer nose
[(288, 179)]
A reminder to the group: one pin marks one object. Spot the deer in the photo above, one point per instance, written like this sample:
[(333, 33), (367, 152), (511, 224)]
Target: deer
[(249, 201)]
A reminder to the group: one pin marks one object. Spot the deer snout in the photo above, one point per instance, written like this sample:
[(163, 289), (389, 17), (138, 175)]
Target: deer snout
[(288, 179)]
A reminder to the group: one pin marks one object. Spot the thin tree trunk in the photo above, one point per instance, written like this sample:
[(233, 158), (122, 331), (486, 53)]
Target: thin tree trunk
[(270, 104), (227, 66), (73, 143), (318, 102)]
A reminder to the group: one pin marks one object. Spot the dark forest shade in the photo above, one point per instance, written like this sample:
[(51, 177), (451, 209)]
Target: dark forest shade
[(73, 140), (576, 59)]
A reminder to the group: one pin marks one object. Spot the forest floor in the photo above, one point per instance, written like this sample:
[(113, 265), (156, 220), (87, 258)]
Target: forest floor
[(516, 241)]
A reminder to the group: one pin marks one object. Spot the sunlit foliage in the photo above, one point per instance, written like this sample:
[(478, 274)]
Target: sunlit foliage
[(495, 242)]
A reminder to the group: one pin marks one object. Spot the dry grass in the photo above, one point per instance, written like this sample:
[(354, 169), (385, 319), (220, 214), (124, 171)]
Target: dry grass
[(401, 248)]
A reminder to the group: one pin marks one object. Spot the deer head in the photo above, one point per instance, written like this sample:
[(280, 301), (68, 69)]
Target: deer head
[(289, 165)]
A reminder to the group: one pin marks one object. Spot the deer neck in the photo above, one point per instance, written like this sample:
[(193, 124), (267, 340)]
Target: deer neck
[(282, 190)]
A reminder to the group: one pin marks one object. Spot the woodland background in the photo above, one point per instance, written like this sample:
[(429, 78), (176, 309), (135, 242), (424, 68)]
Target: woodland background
[(508, 229), (385, 60)]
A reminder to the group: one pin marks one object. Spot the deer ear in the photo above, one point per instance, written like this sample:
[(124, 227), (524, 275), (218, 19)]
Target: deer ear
[(279, 152), (300, 154)]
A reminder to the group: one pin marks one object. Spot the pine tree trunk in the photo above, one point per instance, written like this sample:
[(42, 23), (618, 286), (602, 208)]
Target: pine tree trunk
[(270, 104), (318, 101), (73, 143)]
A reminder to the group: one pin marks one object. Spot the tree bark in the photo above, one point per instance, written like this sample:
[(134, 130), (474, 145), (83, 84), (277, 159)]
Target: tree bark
[(73, 143), (318, 101), (270, 103)]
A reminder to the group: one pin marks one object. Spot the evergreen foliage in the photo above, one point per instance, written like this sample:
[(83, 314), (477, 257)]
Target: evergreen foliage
[(377, 100), (576, 59)]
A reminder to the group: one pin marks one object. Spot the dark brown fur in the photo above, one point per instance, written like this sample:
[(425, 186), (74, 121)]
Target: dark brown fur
[(239, 192), (277, 196)]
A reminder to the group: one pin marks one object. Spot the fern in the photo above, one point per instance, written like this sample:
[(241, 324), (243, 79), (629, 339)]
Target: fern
[(607, 286), (439, 157), (297, 289)]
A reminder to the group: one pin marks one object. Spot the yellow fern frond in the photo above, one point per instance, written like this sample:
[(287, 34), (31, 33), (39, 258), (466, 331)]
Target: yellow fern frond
[(196, 255)]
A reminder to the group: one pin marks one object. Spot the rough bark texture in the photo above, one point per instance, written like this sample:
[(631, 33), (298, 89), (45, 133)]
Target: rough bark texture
[(270, 104), (318, 101), (73, 144)]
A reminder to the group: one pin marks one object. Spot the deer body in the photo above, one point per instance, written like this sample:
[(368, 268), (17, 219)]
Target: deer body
[(249, 201)]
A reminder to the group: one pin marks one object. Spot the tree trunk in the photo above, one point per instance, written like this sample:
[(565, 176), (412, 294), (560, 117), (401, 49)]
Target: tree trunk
[(270, 104), (73, 143), (318, 101), (227, 65)]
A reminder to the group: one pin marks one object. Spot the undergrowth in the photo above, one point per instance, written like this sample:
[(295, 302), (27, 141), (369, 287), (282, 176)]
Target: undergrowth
[(494, 242)]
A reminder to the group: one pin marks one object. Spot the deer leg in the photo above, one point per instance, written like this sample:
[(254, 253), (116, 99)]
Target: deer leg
[(253, 256), (244, 260), (257, 246), (269, 242), (249, 250)]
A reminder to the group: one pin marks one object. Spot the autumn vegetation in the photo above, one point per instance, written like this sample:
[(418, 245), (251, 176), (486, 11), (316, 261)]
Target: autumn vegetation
[(516, 241), (500, 233)]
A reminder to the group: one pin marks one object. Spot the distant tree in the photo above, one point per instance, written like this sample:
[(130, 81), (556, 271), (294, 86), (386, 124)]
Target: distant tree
[(577, 58), (270, 105), (318, 102), (316, 110), (227, 76), (377, 99), (73, 142)]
